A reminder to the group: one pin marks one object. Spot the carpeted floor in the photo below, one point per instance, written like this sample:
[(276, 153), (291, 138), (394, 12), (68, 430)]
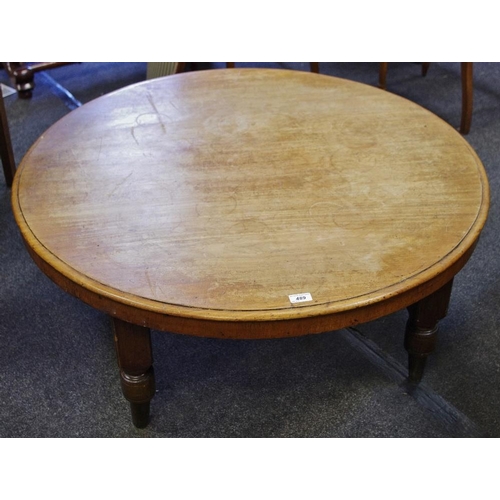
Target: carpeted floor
[(59, 377)]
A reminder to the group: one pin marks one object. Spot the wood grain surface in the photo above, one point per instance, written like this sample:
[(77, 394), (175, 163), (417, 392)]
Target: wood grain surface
[(207, 198)]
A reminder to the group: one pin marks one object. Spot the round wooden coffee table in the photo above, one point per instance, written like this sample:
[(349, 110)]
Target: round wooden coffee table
[(250, 203)]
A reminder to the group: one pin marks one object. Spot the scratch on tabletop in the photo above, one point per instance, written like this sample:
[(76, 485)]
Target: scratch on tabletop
[(120, 184), (132, 131)]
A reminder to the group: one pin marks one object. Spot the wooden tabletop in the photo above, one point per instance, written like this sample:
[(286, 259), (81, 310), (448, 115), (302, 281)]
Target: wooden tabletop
[(208, 198)]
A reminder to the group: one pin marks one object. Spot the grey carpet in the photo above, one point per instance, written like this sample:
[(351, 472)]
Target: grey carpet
[(58, 375)]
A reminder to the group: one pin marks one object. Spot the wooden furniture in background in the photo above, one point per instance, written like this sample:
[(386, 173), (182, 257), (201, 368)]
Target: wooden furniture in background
[(23, 74), (314, 66), (158, 69), (6, 152), (467, 96), (251, 204), (467, 90)]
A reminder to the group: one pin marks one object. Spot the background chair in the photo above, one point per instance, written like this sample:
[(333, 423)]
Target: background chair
[(467, 91), (6, 153), (157, 69), (23, 74), (314, 66)]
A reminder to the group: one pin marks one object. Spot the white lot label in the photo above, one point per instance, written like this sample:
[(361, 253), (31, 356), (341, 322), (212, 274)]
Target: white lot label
[(300, 297)]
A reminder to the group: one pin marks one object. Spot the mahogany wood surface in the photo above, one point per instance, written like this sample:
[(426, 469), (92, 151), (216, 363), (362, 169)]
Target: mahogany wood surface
[(197, 203)]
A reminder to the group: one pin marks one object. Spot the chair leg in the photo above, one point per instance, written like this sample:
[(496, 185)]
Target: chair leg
[(466, 70), (6, 153), (314, 67), (425, 68), (230, 65), (181, 66), (382, 75), (24, 75)]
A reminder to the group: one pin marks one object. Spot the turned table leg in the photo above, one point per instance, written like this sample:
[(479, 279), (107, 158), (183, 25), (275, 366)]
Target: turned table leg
[(422, 328), (135, 359)]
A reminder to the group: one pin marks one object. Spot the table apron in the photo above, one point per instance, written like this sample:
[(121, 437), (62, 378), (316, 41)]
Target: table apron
[(275, 327)]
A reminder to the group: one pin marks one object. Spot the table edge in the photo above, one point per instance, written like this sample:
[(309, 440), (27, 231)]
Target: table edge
[(148, 312)]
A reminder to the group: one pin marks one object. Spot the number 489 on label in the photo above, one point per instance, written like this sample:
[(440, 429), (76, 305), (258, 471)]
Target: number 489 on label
[(300, 297)]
